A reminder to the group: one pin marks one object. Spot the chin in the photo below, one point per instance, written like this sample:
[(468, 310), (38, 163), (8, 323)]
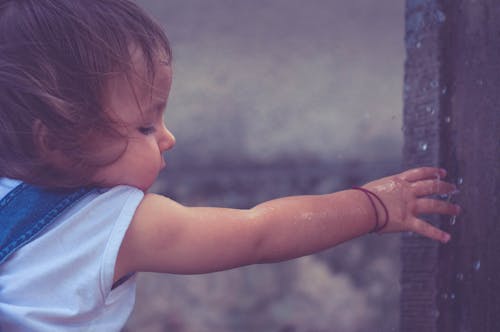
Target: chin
[(144, 186), (145, 182)]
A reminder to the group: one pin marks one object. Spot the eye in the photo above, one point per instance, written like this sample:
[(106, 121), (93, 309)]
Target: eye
[(146, 130)]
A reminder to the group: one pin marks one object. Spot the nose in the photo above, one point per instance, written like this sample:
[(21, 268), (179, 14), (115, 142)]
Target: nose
[(166, 140)]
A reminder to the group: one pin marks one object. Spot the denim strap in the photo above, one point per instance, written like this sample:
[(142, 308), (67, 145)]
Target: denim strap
[(27, 210)]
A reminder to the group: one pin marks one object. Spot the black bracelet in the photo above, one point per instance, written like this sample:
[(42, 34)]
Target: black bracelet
[(369, 194)]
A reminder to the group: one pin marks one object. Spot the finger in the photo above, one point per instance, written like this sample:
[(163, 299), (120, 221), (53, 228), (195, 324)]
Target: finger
[(423, 228), (430, 187), (432, 206), (422, 173)]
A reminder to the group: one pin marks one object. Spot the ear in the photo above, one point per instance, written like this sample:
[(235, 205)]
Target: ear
[(46, 150)]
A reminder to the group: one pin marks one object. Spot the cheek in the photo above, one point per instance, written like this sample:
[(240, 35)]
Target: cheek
[(145, 151), (109, 152)]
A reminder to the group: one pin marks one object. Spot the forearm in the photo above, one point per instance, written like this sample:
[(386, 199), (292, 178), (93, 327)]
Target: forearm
[(301, 225)]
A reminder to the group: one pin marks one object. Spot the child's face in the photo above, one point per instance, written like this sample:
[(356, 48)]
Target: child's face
[(140, 108)]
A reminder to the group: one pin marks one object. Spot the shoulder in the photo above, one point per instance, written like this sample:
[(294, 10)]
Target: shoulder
[(119, 196), (94, 228)]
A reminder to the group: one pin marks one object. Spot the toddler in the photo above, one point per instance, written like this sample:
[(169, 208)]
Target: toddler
[(83, 90)]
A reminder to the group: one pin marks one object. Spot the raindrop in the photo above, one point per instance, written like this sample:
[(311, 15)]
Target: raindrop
[(418, 45), (477, 265), (447, 119), (422, 146), (453, 220), (407, 87), (444, 90), (434, 84), (452, 296), (440, 16), (430, 109), (460, 276), (460, 181)]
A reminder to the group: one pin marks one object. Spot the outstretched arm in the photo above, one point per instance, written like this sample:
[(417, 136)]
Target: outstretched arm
[(165, 236)]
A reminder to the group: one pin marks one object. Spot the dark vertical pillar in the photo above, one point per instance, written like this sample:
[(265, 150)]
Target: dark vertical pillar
[(423, 91), (452, 119)]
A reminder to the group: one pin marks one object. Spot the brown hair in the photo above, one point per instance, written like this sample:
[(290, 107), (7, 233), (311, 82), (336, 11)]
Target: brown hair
[(56, 57)]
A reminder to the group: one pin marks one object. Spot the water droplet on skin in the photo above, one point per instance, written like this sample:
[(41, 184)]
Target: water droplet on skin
[(306, 215), (460, 276), (422, 146), (477, 265), (447, 119)]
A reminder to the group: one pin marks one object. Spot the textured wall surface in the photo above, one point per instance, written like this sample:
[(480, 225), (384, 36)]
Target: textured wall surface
[(422, 120), (274, 98), (452, 120)]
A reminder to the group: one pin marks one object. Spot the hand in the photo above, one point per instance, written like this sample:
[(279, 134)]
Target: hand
[(404, 195)]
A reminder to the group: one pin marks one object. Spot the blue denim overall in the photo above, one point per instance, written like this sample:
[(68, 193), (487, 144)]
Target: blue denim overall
[(27, 210)]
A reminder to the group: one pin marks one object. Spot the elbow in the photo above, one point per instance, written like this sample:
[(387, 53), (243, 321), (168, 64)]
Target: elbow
[(260, 235)]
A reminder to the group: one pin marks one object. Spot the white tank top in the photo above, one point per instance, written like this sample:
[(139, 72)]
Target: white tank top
[(62, 280)]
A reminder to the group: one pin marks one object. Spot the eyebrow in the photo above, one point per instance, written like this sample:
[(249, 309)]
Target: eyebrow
[(156, 107)]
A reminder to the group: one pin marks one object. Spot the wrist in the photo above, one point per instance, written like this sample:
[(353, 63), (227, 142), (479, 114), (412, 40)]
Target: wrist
[(379, 210)]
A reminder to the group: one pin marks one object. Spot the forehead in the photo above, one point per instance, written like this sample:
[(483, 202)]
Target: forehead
[(138, 91), (147, 81)]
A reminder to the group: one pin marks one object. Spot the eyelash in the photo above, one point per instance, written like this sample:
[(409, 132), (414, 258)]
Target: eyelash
[(147, 130)]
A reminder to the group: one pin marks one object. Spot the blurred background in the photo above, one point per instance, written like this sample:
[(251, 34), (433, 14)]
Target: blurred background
[(274, 98)]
